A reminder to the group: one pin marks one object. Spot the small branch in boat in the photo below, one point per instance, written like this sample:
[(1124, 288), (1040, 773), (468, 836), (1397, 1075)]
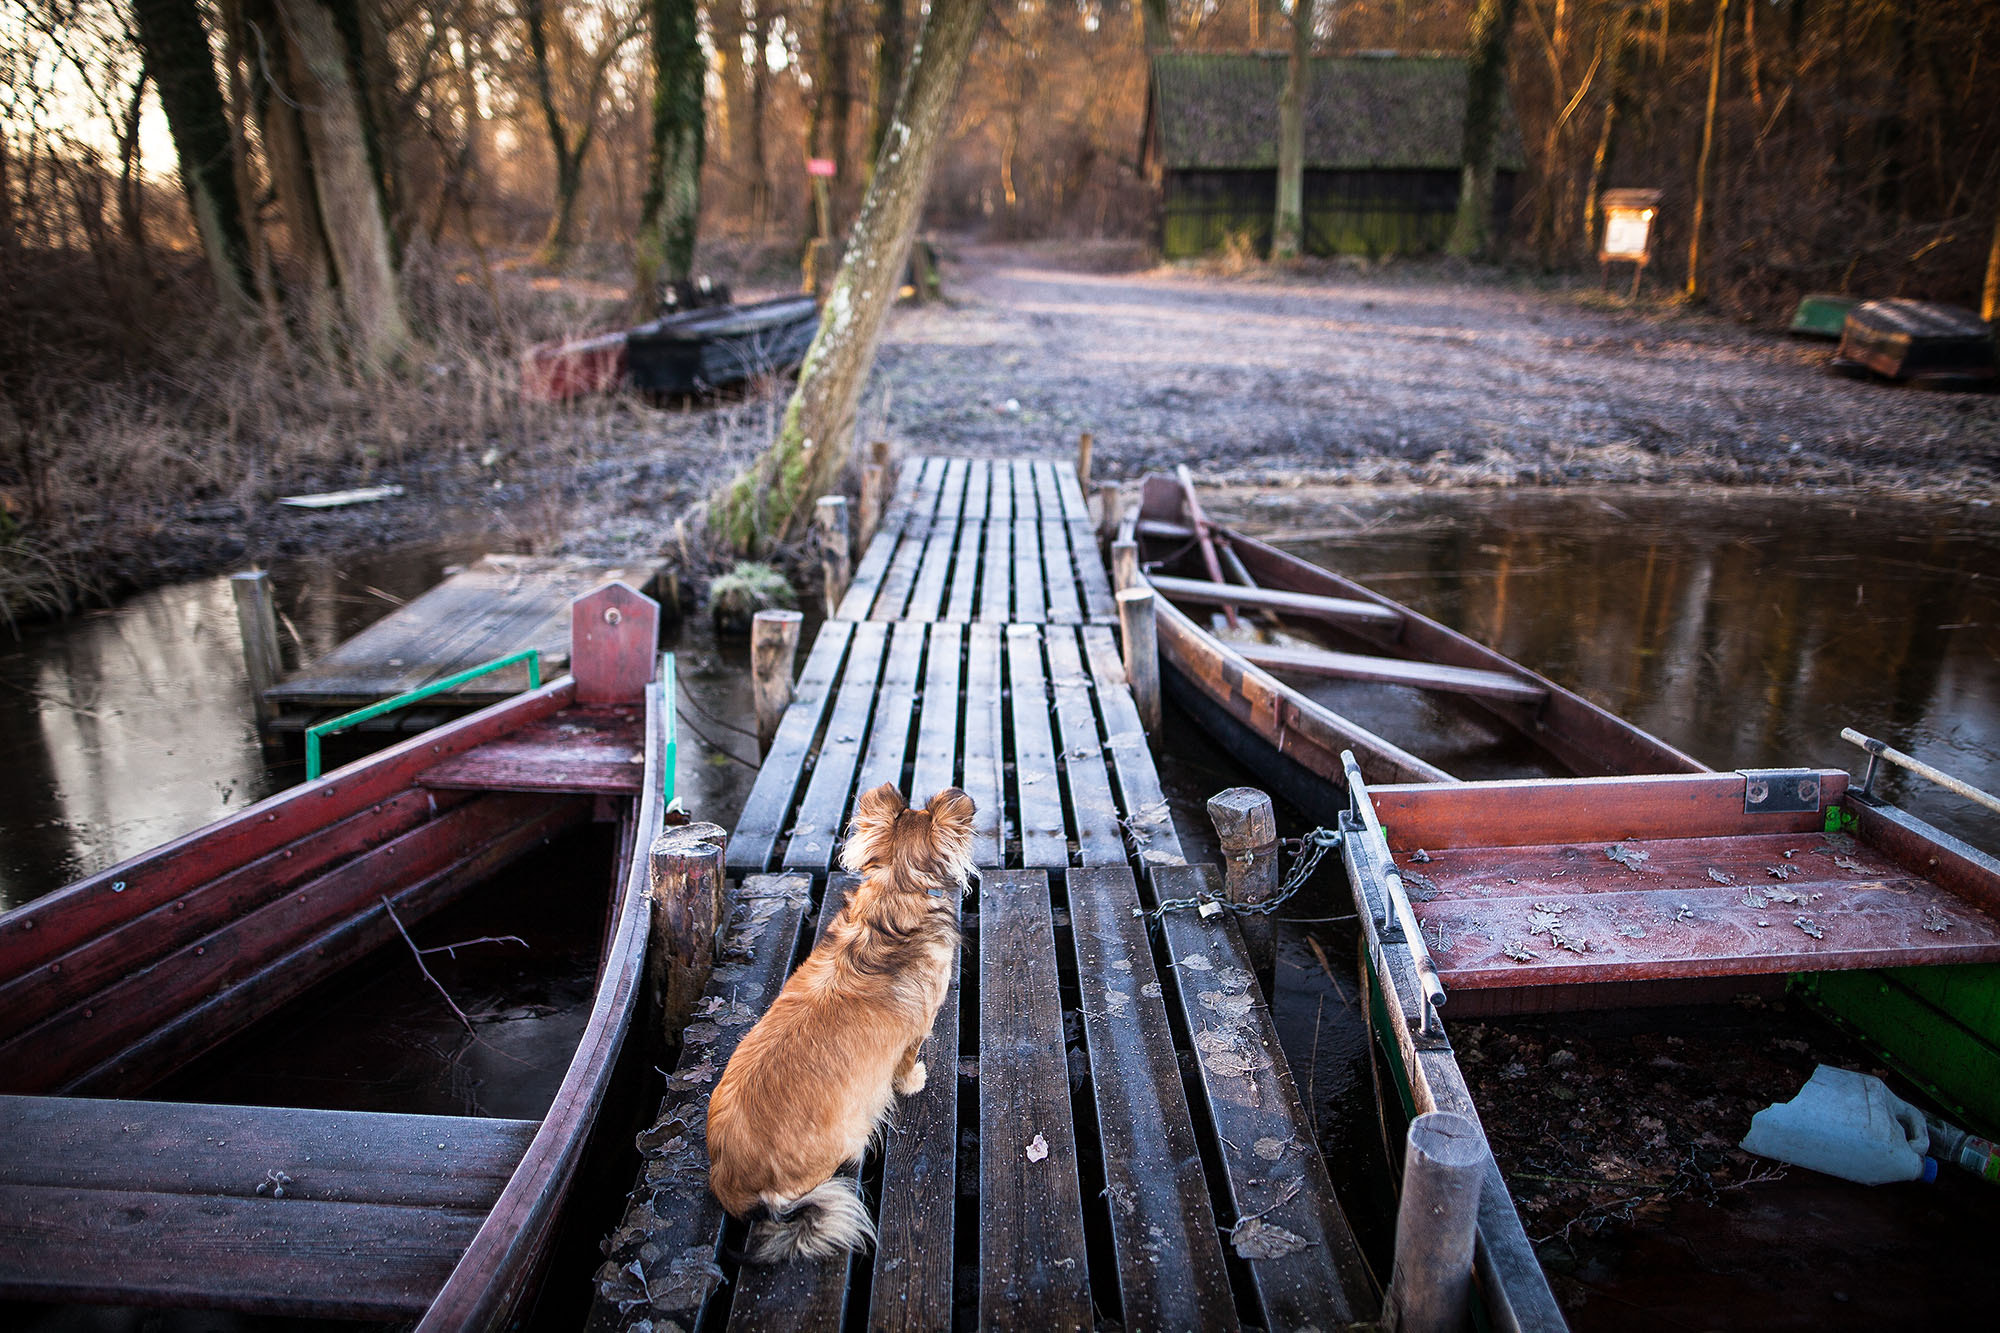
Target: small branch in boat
[(467, 944), (419, 955)]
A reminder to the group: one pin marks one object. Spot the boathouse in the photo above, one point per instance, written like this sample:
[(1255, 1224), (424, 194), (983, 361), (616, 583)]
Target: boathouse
[(1383, 135)]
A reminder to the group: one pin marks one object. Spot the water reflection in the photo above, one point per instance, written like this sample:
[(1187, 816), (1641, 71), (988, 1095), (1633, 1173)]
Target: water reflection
[(1744, 629), (125, 728)]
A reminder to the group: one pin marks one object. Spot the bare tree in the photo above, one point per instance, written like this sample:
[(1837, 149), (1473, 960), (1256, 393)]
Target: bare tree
[(1697, 226), (671, 208), (1289, 223), (1486, 76), (183, 69), (571, 145), (773, 498)]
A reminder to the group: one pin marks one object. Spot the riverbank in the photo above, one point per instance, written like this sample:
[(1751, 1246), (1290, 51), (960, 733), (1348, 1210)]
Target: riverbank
[(1407, 374)]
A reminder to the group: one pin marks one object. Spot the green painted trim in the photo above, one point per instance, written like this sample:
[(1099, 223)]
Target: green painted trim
[(670, 751), (1937, 1026), (531, 656)]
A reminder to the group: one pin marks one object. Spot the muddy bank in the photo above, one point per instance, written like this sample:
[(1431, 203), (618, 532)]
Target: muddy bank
[(1411, 374)]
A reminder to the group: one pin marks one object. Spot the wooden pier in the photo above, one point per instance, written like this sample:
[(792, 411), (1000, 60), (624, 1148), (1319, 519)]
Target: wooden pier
[(500, 605), (1109, 1132)]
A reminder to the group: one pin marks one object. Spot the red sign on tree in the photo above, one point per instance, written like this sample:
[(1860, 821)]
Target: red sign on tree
[(819, 166)]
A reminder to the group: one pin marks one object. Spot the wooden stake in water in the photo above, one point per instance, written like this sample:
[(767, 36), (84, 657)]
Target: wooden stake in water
[(1140, 631), (685, 866), (1247, 827), (257, 622), (774, 643), (1430, 1287), (836, 564)]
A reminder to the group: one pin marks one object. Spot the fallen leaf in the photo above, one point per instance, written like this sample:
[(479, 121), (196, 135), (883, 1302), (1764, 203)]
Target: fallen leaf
[(1270, 1149), (1632, 932), (1936, 921), (1519, 953), (1848, 863), (1197, 962), (1254, 1238), (1720, 877), (1038, 1148), (1629, 857), (1810, 927), (1779, 872)]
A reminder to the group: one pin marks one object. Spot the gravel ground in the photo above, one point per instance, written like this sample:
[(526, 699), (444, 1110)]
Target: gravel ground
[(1407, 373), (1413, 372)]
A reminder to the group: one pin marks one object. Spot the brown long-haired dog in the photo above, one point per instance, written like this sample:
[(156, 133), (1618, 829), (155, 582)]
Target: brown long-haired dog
[(809, 1085)]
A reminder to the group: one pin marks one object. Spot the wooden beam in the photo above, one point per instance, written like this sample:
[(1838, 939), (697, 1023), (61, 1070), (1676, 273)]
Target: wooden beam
[(1217, 593), (1392, 670), (257, 621)]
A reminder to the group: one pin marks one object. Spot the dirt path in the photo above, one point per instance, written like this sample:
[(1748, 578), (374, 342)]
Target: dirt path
[(1403, 374)]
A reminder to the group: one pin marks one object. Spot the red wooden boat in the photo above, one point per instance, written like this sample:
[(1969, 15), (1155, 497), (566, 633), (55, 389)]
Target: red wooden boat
[(113, 983)]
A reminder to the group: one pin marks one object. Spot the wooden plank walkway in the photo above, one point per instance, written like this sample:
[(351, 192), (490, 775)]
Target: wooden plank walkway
[(1120, 1102), (502, 604)]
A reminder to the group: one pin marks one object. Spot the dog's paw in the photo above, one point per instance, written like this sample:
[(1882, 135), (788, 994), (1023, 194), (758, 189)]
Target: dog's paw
[(913, 1082)]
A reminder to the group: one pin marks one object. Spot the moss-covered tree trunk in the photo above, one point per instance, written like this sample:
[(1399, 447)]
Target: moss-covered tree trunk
[(1704, 165), (1486, 82), (1288, 224), (346, 185), (1156, 16), (671, 207), (182, 66), (773, 498)]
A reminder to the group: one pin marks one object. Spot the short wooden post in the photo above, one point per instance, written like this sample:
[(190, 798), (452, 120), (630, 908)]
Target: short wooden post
[(836, 565), (257, 622), (1142, 653), (774, 643), (1430, 1285), (685, 866), (1124, 565), (614, 644), (1247, 827), (874, 492), (1083, 443), (1110, 508)]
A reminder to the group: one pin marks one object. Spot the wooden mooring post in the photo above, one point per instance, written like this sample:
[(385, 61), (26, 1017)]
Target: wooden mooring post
[(874, 492), (1083, 444), (687, 902), (257, 622), (836, 561), (774, 644), (1140, 631), (1110, 508), (1247, 827), (1430, 1286), (1124, 565)]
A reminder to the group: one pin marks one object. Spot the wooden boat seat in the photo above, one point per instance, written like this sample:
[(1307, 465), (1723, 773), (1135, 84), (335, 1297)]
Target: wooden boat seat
[(594, 750), (1346, 610), (157, 1203), (1392, 670)]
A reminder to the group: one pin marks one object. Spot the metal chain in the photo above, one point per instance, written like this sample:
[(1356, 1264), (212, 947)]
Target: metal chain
[(1310, 851)]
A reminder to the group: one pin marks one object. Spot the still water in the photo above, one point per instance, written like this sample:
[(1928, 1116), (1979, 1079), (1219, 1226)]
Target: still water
[(1746, 630)]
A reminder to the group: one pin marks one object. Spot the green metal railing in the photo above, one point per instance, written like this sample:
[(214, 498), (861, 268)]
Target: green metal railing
[(531, 656)]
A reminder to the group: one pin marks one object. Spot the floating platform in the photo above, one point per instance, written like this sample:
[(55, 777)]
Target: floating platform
[(1109, 1131), (500, 605)]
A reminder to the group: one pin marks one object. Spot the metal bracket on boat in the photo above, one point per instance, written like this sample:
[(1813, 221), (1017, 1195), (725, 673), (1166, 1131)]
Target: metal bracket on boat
[(1780, 791), (1394, 916)]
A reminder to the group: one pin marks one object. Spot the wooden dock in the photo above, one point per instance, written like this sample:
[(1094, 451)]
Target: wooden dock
[(1109, 1132), (500, 605)]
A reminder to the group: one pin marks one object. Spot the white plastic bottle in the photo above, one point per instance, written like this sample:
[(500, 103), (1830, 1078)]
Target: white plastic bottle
[(1848, 1125)]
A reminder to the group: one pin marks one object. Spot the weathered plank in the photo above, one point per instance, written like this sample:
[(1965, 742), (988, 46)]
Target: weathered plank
[(1038, 794), (996, 583), (1074, 508), (978, 483), (767, 810), (868, 575), (1313, 605), (1048, 498), (1253, 1104), (1171, 1272), (1030, 591), (1094, 815), (503, 604), (1032, 1268), (1149, 821), (894, 594), (1059, 575), (1000, 499), (889, 735), (816, 826), (672, 1228), (935, 764), (1021, 474), (962, 602), (1392, 670), (951, 498), (597, 749), (87, 1144), (927, 595), (984, 779), (265, 1256), (1097, 602)]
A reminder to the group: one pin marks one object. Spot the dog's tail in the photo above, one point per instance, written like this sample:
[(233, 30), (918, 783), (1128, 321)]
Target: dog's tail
[(826, 1220)]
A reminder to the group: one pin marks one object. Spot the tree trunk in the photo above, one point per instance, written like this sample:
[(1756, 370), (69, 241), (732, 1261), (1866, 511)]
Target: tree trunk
[(561, 236), (176, 50), (346, 186), (131, 188), (892, 53), (1288, 224), (1486, 82), (1698, 222), (774, 497), (1157, 16), (760, 96), (671, 207)]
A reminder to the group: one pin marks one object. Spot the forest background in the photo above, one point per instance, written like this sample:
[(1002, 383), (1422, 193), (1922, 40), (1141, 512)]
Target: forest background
[(172, 338)]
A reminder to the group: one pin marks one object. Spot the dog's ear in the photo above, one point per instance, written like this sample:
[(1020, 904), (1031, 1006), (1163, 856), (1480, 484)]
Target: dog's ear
[(870, 833), (951, 810)]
